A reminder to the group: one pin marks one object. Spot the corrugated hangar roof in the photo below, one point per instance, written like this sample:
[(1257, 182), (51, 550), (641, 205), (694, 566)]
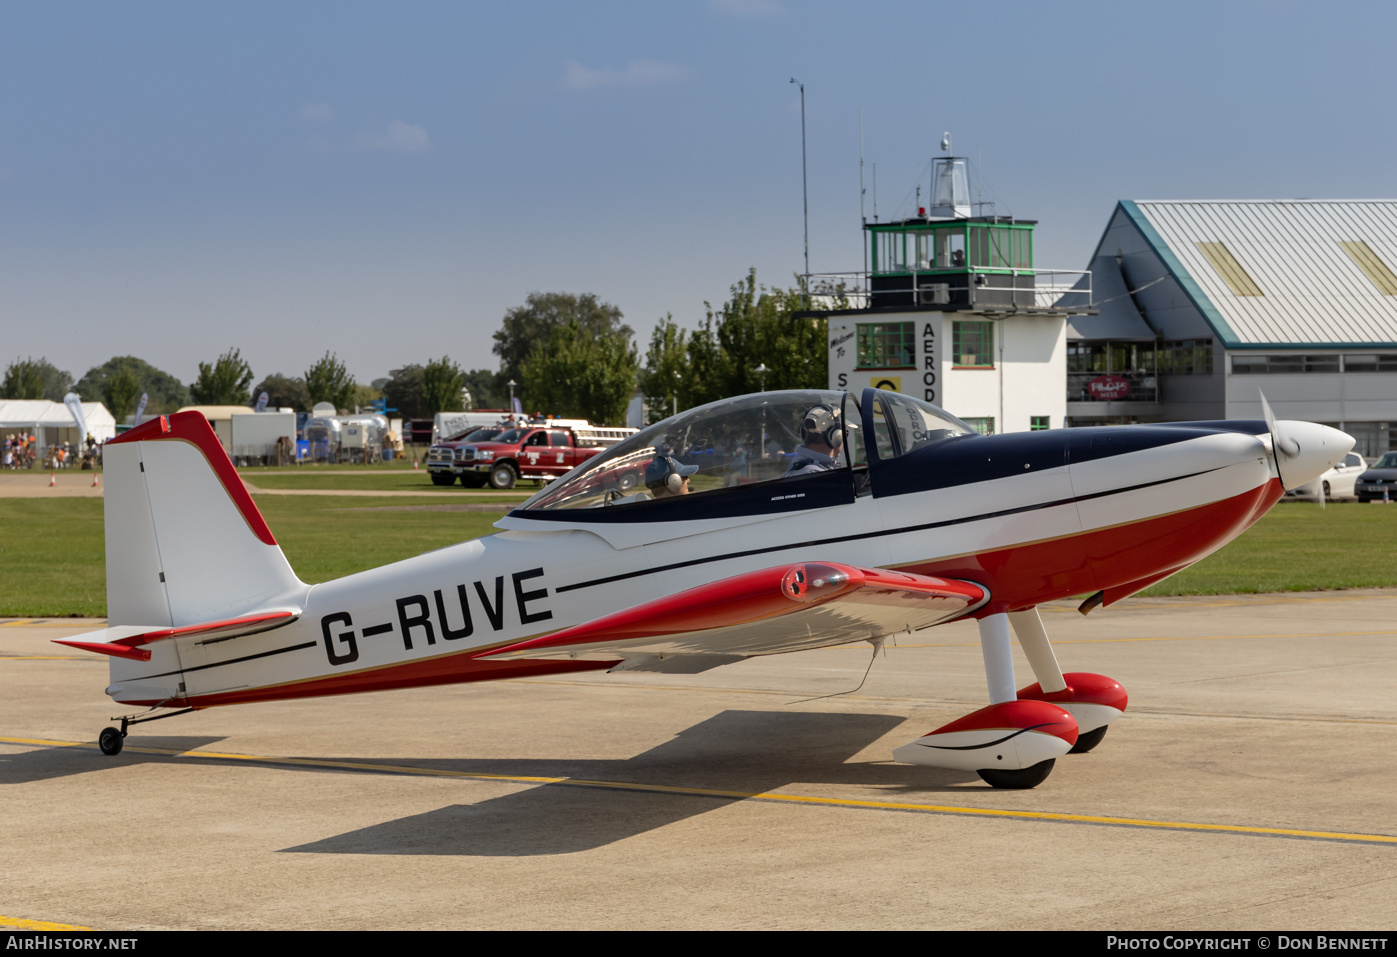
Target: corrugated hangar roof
[(1282, 272)]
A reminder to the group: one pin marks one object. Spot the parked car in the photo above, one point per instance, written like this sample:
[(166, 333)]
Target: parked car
[(1338, 482), (1379, 478)]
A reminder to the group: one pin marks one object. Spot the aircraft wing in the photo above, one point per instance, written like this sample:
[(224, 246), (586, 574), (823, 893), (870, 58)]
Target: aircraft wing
[(786, 608), (125, 641)]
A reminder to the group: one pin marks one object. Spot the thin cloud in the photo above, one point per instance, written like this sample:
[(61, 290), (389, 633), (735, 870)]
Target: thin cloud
[(317, 112), (400, 137), (748, 8), (639, 73)]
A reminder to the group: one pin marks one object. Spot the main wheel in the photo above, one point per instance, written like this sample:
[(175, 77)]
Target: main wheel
[(110, 741), (1088, 740), (502, 477), (442, 478), (1020, 780)]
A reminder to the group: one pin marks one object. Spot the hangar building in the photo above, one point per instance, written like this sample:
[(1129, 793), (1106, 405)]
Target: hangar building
[(1203, 305)]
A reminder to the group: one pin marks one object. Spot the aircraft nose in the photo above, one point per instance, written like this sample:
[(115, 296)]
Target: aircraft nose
[(1307, 450)]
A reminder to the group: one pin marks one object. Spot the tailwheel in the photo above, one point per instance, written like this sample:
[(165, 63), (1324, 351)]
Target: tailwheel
[(1018, 780), (1087, 740), (111, 740)]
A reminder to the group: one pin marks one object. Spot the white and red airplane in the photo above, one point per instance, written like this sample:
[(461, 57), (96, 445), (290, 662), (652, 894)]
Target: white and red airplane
[(767, 523)]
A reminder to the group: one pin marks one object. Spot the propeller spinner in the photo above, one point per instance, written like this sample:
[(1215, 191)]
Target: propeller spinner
[(1304, 450)]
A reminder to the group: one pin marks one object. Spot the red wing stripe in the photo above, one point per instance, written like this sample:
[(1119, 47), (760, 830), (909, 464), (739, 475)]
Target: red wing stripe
[(281, 617), (107, 648), (754, 596)]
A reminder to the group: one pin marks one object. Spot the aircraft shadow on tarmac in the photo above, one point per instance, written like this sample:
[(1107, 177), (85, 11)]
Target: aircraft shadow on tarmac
[(744, 751), (44, 764)]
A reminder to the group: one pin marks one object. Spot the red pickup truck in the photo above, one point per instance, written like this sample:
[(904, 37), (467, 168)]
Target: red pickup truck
[(542, 453)]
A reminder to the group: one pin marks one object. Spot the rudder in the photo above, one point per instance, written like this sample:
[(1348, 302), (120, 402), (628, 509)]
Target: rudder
[(185, 542)]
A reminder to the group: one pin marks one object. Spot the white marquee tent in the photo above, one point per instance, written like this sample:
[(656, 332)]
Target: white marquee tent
[(51, 423)]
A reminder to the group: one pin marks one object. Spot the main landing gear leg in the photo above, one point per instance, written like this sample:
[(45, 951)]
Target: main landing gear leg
[(1010, 744), (112, 739), (1094, 700)]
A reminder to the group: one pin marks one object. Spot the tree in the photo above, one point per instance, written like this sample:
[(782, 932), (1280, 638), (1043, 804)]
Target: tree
[(165, 393), (24, 379), (758, 326), (223, 383), (442, 380), (665, 380), (403, 390), (526, 327), (575, 374), (120, 391), (329, 381), (35, 379), (284, 392), (485, 390)]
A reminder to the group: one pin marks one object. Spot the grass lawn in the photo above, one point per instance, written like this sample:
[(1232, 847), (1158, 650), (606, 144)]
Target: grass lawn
[(1299, 547), (52, 561), (369, 480)]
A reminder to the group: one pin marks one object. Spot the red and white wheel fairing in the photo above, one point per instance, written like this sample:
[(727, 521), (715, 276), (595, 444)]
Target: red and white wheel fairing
[(1094, 700), (1008, 736)]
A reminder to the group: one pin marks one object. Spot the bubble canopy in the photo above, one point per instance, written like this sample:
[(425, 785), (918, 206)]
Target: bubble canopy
[(745, 448)]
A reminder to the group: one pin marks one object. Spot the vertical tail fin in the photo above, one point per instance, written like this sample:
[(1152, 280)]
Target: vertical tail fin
[(185, 542)]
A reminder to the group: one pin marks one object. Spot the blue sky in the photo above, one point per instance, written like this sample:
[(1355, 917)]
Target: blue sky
[(385, 180)]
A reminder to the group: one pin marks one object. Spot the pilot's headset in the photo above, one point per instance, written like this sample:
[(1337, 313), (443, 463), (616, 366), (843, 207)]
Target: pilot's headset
[(666, 472), (824, 422)]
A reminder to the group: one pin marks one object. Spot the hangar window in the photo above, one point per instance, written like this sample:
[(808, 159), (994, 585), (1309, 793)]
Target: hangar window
[(1284, 365), (1370, 363), (1373, 267), (1230, 269)]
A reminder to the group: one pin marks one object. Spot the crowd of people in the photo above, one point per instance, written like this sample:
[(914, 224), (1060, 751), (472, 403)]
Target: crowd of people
[(22, 451)]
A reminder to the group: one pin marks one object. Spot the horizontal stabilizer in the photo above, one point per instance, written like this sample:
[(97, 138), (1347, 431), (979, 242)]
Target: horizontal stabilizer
[(125, 641), (786, 608)]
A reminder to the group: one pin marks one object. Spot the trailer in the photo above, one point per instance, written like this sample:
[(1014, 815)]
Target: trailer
[(262, 438)]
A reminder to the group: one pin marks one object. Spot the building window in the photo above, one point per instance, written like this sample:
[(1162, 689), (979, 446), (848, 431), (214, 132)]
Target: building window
[(1284, 365), (887, 345), (984, 425), (972, 345), (1186, 357), (1370, 363), (1373, 267), (1229, 269), (1038, 423), (1371, 439)]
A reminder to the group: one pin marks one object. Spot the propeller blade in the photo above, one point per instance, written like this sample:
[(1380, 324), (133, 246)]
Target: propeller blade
[(1282, 444)]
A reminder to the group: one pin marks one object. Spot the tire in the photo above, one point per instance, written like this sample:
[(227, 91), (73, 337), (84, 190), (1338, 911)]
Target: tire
[(1085, 742), (1327, 493), (470, 480), (1020, 780), (442, 478), (502, 476), (628, 481), (110, 741)]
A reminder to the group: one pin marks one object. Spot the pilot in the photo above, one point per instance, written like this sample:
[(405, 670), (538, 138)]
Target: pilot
[(822, 435), (666, 477)]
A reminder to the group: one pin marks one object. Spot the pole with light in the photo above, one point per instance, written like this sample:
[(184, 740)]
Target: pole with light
[(804, 182)]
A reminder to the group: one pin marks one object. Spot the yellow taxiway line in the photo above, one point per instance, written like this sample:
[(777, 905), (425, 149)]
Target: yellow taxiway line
[(19, 923), (765, 796)]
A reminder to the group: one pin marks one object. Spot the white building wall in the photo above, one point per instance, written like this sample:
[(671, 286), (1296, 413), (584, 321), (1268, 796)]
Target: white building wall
[(1029, 377)]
